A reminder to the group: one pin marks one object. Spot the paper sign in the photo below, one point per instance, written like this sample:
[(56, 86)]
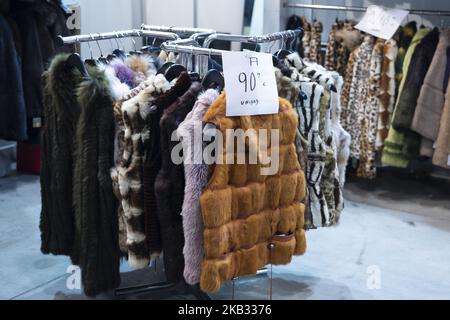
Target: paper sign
[(250, 84), (382, 23)]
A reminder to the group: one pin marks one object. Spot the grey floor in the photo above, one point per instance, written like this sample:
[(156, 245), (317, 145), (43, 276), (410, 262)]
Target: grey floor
[(393, 243)]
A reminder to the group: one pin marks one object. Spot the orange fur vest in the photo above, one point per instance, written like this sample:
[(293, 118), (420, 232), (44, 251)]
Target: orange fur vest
[(252, 220)]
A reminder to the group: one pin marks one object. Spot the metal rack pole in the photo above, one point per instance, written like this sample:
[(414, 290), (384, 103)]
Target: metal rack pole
[(177, 30), (271, 37), (115, 35), (439, 13)]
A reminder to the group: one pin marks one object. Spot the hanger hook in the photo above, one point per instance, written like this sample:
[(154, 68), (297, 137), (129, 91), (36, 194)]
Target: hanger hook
[(116, 38), (134, 43), (90, 48), (99, 47)]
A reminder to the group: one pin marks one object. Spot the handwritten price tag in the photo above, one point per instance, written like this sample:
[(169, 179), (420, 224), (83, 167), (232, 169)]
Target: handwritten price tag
[(250, 84), (381, 22)]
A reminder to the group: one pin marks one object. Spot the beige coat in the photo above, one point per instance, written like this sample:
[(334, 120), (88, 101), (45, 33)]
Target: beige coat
[(442, 154)]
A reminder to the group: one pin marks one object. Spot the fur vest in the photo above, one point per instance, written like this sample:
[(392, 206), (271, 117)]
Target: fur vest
[(250, 219), (135, 114), (169, 186), (119, 149), (96, 226), (13, 122), (152, 163), (441, 156), (387, 93), (432, 95), (196, 178), (420, 62), (61, 112)]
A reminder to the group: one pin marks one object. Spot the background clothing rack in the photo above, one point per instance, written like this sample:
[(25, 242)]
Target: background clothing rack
[(438, 13)]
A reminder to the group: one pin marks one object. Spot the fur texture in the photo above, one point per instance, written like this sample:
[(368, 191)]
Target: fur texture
[(368, 120), (387, 93), (196, 176), (96, 237), (153, 161), (442, 154), (136, 135), (169, 186), (61, 113), (432, 95), (244, 211)]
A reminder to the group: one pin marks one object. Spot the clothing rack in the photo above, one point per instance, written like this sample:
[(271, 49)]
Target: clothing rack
[(116, 35), (271, 37), (181, 47), (178, 30), (437, 13), (190, 46)]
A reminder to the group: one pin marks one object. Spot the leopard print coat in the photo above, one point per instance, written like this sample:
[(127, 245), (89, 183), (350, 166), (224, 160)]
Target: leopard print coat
[(359, 91), (368, 115)]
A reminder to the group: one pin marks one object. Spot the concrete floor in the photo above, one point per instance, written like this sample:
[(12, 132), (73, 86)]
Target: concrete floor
[(398, 229)]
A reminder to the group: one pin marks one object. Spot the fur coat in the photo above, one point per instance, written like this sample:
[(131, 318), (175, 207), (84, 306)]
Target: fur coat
[(387, 93), (153, 161), (394, 153), (408, 99), (359, 91), (79, 216), (252, 219), (369, 114), (96, 246), (196, 178), (441, 156), (135, 114), (170, 184), (13, 122), (432, 94), (328, 143), (61, 113)]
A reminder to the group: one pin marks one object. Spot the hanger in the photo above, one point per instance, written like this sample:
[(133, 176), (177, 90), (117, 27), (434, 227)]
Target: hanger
[(174, 71), (74, 61), (135, 52), (90, 61), (164, 67), (111, 56), (119, 52), (102, 59), (213, 80)]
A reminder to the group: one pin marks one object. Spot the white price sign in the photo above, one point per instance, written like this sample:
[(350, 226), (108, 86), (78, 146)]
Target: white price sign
[(250, 84), (380, 22)]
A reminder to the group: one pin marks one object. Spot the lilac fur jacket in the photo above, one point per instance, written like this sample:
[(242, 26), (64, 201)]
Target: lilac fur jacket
[(196, 175)]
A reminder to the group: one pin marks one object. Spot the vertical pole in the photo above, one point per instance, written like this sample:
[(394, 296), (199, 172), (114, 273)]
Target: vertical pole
[(195, 13)]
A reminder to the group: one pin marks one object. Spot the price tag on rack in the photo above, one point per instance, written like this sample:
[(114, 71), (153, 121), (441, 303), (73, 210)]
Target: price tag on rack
[(250, 84), (381, 22)]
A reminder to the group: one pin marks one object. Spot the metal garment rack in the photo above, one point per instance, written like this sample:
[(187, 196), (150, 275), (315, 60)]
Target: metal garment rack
[(181, 47), (176, 44), (271, 37), (436, 13), (117, 35)]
